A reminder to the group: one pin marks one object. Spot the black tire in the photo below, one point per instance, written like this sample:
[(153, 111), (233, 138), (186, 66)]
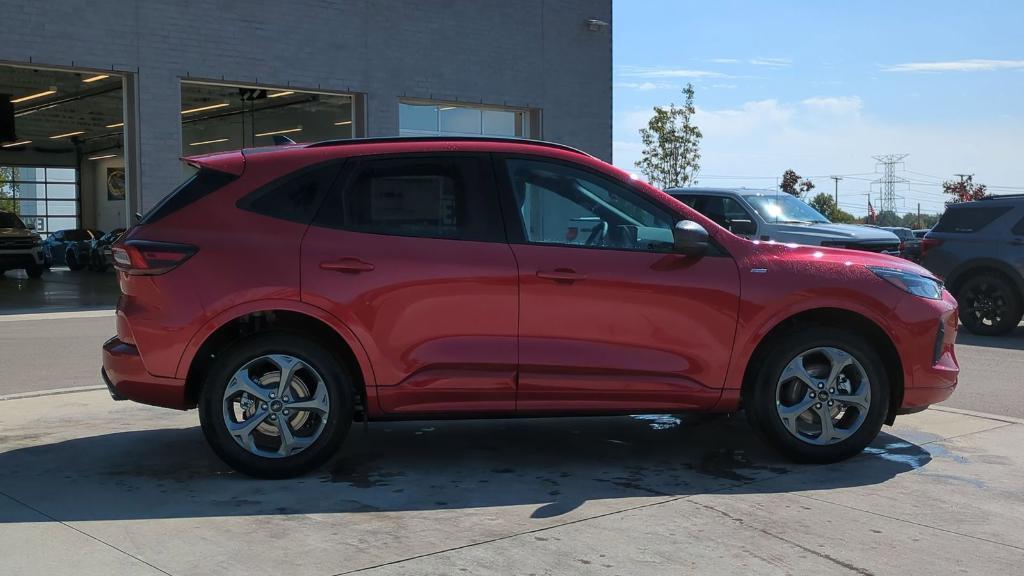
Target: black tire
[(34, 271), (340, 391), (761, 398), (72, 262), (989, 305)]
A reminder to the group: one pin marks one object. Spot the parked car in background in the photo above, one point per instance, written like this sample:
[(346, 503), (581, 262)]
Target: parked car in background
[(771, 215), (412, 278), (20, 247), (978, 248), (70, 247), (100, 256), (908, 241)]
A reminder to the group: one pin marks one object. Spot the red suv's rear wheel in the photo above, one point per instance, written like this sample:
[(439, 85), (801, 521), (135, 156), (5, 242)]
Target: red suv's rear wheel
[(276, 405)]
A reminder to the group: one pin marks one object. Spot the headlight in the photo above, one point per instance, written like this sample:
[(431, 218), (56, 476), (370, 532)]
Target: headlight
[(909, 282)]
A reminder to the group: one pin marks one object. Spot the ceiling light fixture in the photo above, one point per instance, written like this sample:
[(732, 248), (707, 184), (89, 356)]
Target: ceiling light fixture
[(68, 135), (202, 108), (103, 157), (343, 123), (208, 142), (288, 131), (276, 94), (443, 108), (118, 125), (96, 78), (13, 144), (52, 90)]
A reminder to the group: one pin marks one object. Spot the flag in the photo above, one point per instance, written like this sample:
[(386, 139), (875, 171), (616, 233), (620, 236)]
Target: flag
[(871, 212)]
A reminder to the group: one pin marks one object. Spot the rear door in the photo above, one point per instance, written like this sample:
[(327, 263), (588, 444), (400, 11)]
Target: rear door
[(411, 254)]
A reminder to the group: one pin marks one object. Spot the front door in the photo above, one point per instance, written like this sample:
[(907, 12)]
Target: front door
[(412, 256), (611, 320)]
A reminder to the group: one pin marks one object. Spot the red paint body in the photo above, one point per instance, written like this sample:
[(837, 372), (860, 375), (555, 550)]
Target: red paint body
[(449, 327)]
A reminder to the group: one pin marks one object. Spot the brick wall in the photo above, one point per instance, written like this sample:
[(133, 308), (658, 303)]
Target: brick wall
[(535, 53)]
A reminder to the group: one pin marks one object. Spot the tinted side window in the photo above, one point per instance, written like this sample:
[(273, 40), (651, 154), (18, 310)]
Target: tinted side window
[(429, 197), (295, 197), (200, 184), (688, 199), (1018, 228), (969, 219)]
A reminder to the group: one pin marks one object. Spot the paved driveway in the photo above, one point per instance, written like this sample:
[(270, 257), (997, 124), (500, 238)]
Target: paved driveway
[(90, 486)]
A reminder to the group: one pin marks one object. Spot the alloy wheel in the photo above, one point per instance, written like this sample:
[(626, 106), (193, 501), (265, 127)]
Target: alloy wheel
[(986, 304), (823, 396), (276, 406)]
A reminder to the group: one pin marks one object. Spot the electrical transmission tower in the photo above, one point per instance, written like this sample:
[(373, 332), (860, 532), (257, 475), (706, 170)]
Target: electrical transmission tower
[(889, 180)]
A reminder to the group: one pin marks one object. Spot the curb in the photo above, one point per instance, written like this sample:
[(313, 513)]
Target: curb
[(53, 392), (985, 415), (103, 313)]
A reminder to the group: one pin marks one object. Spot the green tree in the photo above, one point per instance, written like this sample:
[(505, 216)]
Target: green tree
[(887, 218), (8, 189), (964, 190), (671, 155), (793, 184), (826, 204)]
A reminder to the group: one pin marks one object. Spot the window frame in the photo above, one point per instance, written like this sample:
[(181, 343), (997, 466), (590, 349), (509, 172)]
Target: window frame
[(332, 209)]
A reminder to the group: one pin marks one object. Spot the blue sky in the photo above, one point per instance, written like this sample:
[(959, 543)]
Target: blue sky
[(820, 87)]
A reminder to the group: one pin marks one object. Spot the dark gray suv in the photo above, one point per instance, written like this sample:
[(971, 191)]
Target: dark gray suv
[(978, 248)]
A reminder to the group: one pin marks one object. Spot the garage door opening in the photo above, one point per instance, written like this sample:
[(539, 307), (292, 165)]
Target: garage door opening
[(62, 175)]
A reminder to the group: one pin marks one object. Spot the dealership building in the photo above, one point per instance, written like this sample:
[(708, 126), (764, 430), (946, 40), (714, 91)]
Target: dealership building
[(99, 100)]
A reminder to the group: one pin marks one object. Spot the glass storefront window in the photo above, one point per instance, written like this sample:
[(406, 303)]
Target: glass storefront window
[(46, 199), (439, 119), (219, 117)]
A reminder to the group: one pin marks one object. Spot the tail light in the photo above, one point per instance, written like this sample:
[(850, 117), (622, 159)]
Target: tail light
[(929, 243), (901, 247), (145, 258)]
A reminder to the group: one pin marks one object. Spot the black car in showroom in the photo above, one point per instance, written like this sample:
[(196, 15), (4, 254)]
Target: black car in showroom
[(100, 256)]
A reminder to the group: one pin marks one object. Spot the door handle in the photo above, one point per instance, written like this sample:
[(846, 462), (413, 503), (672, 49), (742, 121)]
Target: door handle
[(566, 275), (347, 265)]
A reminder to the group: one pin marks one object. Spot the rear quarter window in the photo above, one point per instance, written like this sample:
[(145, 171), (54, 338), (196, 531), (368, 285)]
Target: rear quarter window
[(969, 219), (295, 197), (199, 185), (1018, 228)]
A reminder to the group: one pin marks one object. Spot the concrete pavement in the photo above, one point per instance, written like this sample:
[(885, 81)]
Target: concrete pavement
[(90, 486)]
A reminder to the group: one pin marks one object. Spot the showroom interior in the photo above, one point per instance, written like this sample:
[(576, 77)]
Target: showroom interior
[(97, 108)]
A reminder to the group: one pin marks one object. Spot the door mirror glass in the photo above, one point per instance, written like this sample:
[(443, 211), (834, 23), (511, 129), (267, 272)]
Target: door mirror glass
[(690, 238), (743, 227)]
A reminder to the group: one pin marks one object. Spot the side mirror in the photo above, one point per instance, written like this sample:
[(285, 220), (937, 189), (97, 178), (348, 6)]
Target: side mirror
[(690, 238), (743, 227)]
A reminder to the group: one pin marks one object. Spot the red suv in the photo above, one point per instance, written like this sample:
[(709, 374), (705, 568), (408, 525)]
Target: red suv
[(288, 292)]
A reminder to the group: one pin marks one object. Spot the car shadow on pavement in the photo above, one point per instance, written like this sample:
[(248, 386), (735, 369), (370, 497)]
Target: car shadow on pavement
[(553, 466)]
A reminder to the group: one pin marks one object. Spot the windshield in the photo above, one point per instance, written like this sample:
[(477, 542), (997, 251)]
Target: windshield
[(785, 208), (9, 220)]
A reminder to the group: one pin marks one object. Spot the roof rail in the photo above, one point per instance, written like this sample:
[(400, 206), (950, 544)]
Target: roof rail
[(1002, 196), (387, 139)]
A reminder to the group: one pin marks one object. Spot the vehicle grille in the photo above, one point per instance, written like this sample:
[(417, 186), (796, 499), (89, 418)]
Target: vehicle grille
[(16, 243), (866, 246)]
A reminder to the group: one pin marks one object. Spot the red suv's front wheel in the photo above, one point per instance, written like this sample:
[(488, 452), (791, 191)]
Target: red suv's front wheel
[(276, 405), (821, 394)]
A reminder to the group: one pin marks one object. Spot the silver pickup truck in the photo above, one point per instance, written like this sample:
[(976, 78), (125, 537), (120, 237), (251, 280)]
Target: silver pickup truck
[(772, 215), (19, 246)]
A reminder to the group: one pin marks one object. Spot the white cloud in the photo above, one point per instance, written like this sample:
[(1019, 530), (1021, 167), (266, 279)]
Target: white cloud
[(771, 62), (648, 72), (968, 65), (725, 60), (644, 86), (835, 104)]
